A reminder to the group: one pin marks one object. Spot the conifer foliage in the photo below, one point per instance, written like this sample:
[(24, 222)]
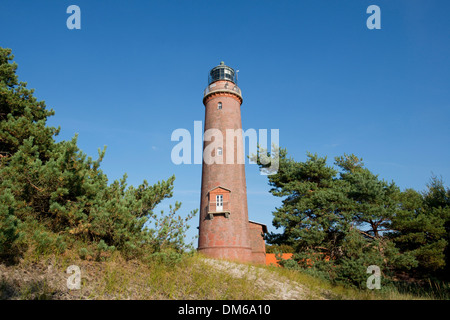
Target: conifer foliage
[(52, 194), (341, 219)]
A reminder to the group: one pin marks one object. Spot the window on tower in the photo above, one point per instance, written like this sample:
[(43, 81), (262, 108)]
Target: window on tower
[(219, 105), (219, 151), (219, 203)]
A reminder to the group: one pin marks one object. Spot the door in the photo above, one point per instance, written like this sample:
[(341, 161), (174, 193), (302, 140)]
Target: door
[(219, 203)]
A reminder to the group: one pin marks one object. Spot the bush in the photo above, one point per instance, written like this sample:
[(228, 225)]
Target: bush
[(103, 250), (57, 189), (282, 248), (167, 257), (48, 243), (84, 253), (10, 233)]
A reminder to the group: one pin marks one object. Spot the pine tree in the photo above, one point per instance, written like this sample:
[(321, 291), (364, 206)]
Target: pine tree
[(21, 115), (338, 221), (53, 192), (437, 201), (9, 228), (420, 232)]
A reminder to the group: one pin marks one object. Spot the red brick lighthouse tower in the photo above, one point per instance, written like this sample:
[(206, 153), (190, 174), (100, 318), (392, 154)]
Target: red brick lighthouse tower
[(224, 230)]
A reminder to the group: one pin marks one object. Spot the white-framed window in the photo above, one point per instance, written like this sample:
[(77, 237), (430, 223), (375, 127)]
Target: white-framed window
[(219, 151), (219, 203), (219, 106)]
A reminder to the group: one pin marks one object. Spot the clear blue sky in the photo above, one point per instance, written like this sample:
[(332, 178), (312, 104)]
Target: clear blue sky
[(136, 71)]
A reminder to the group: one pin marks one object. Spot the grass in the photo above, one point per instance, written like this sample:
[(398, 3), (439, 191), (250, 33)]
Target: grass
[(189, 278), (431, 290)]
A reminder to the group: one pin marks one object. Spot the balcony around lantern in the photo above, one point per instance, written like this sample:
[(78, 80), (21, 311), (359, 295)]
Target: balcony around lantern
[(222, 86), (213, 210)]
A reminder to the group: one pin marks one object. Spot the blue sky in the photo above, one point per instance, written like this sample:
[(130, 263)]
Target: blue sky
[(136, 71)]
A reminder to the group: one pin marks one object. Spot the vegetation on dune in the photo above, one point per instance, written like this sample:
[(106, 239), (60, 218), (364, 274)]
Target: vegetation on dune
[(339, 220), (53, 197), (58, 208)]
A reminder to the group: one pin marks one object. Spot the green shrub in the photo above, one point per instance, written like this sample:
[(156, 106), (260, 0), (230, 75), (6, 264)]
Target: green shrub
[(10, 233), (48, 243), (168, 257), (282, 248), (84, 253), (60, 191)]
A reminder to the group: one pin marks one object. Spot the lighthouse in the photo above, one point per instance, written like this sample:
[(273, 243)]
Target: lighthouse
[(224, 229)]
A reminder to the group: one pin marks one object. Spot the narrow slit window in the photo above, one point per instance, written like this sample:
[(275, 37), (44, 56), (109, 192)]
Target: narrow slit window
[(219, 105), (219, 151)]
